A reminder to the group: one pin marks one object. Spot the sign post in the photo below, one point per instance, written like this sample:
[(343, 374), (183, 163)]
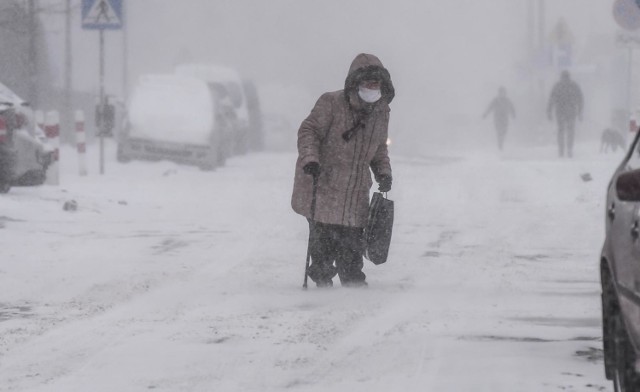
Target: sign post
[(102, 15)]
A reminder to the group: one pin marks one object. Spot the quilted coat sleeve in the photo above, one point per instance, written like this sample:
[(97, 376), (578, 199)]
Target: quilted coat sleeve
[(380, 164), (313, 129)]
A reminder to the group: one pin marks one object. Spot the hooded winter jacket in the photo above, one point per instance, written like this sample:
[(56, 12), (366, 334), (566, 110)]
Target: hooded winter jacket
[(347, 137)]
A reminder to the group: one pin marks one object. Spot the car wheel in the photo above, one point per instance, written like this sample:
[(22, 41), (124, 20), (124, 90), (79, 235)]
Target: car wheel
[(208, 166), (222, 156), (609, 310), (31, 178), (4, 187), (625, 378), (211, 161)]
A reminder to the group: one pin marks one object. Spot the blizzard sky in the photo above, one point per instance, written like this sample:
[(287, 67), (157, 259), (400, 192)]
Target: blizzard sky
[(446, 58)]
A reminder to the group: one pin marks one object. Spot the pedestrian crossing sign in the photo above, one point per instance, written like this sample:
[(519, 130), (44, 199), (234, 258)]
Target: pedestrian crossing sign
[(102, 14)]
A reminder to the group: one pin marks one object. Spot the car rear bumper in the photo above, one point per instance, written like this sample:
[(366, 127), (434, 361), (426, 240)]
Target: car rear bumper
[(154, 150)]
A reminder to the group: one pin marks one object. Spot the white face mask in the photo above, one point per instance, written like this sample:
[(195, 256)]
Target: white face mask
[(368, 95)]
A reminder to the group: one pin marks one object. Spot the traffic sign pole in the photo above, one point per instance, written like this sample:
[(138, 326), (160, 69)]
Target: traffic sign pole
[(102, 100), (102, 15)]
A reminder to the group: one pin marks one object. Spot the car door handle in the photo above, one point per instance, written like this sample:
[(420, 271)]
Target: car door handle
[(635, 230), (611, 211)]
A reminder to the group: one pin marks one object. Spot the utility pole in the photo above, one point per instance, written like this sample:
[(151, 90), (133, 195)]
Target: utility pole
[(530, 40), (102, 100), (532, 54), (68, 64), (542, 41), (541, 23), (125, 52), (32, 55)]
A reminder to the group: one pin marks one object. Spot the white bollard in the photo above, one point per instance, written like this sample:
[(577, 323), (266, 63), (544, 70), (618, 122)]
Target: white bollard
[(81, 143), (52, 131)]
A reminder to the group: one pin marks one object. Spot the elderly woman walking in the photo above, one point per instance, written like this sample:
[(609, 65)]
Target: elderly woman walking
[(340, 143)]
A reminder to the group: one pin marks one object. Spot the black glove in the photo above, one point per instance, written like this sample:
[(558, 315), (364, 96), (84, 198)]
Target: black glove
[(384, 183), (312, 168)]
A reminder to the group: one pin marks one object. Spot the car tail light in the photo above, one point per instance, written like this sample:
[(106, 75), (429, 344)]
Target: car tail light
[(4, 132)]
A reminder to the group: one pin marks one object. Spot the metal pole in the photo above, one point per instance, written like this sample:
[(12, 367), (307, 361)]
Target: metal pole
[(125, 53), (530, 39), (541, 22), (66, 116), (542, 44), (532, 57), (629, 81), (33, 55), (101, 65), (102, 100)]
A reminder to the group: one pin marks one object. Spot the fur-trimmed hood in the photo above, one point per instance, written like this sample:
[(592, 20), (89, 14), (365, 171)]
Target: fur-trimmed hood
[(367, 66)]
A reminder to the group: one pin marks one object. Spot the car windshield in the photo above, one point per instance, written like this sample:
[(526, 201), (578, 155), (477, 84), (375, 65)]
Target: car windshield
[(6, 95), (634, 160)]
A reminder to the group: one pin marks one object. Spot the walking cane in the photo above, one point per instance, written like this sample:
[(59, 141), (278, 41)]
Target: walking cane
[(311, 230)]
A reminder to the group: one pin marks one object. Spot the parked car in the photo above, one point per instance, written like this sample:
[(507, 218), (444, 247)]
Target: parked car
[(174, 117), (24, 153), (620, 274)]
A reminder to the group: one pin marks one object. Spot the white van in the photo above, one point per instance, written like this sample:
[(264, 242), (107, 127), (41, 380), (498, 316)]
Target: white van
[(173, 117), (227, 88)]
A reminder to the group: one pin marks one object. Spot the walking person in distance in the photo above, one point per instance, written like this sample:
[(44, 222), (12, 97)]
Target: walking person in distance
[(502, 109), (566, 102)]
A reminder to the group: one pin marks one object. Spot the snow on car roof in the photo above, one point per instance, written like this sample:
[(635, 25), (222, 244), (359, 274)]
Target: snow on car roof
[(7, 95)]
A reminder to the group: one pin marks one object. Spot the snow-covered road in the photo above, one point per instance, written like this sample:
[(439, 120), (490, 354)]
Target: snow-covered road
[(168, 278)]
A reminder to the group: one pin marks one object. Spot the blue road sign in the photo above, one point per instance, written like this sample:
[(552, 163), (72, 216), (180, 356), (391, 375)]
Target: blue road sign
[(102, 14), (627, 14)]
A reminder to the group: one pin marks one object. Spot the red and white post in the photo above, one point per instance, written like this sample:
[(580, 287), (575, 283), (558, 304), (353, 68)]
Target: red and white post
[(81, 143), (52, 131)]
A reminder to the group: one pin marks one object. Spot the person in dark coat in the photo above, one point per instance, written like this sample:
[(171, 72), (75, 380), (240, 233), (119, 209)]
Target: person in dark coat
[(566, 101), (340, 144), (502, 109)]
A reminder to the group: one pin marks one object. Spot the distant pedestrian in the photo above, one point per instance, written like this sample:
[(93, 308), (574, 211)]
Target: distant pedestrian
[(502, 109), (340, 143), (567, 101)]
